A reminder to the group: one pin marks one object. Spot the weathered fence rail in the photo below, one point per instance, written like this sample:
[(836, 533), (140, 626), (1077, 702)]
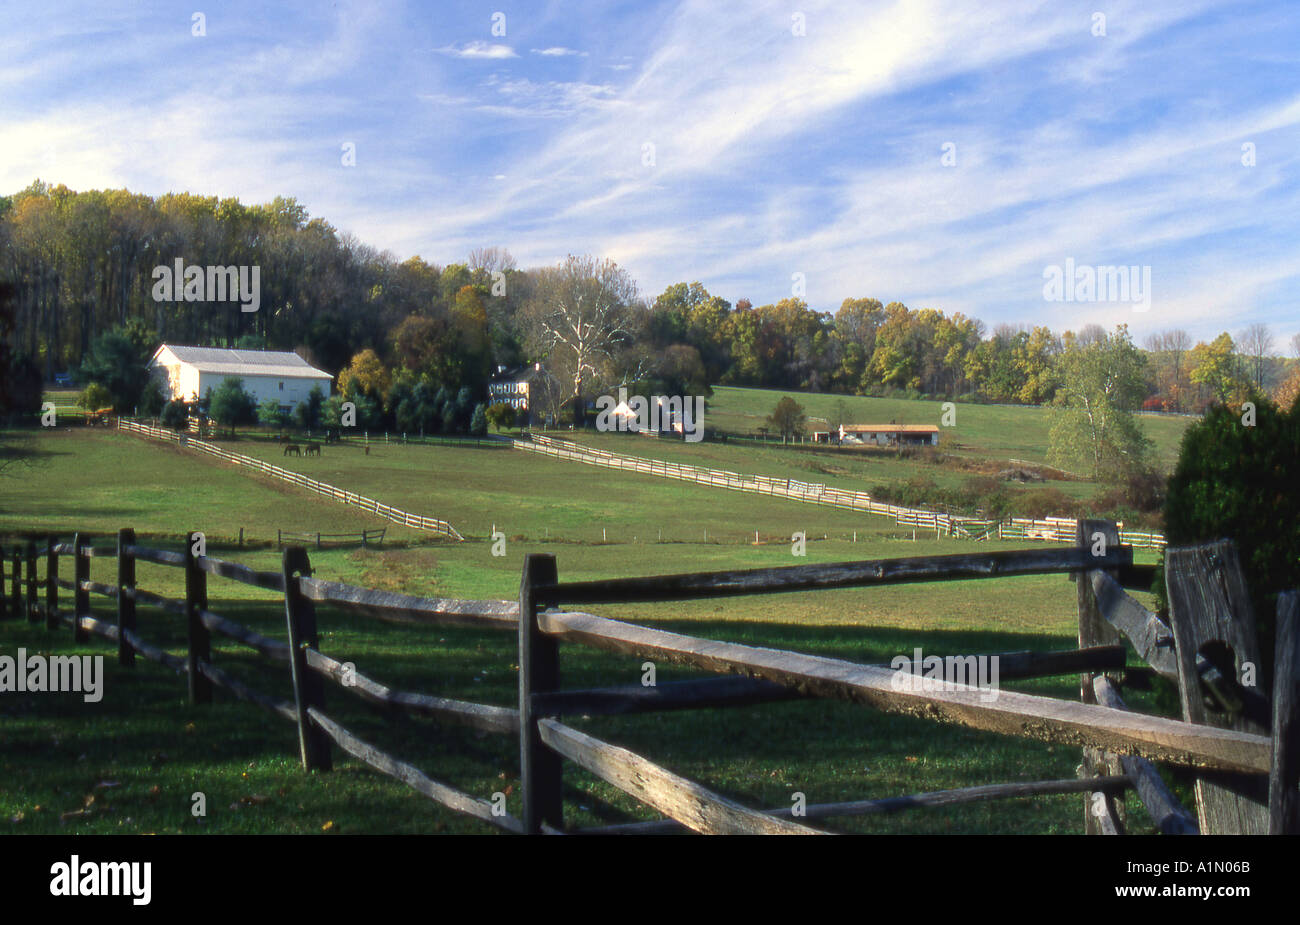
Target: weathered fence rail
[(1247, 771), (1057, 529), (378, 508)]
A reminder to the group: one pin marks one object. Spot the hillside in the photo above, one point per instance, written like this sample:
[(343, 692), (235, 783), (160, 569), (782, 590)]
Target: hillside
[(993, 431)]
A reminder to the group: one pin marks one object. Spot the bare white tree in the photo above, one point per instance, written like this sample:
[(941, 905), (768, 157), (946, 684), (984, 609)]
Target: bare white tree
[(491, 258), (1170, 352), (1256, 342), (580, 314)]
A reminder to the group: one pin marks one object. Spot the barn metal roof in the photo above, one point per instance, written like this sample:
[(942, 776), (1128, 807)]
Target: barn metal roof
[(244, 362)]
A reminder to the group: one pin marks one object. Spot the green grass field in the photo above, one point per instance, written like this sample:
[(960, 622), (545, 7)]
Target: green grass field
[(131, 762), (990, 431)]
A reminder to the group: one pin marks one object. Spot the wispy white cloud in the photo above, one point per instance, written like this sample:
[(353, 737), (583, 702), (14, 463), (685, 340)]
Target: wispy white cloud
[(485, 50), (728, 149)]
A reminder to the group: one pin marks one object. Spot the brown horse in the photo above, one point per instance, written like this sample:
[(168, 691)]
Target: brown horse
[(313, 449), (292, 449)]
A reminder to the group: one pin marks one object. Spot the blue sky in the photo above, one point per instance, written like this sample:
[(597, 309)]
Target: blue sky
[(774, 154)]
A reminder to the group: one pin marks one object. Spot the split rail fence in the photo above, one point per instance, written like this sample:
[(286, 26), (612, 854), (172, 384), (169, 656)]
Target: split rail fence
[(1058, 529), (406, 518), (1244, 753), (363, 538)]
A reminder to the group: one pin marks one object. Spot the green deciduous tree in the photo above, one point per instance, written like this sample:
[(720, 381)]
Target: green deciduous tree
[(95, 396), (307, 414), (1215, 367), (270, 414), (1102, 383), (231, 405), (501, 415)]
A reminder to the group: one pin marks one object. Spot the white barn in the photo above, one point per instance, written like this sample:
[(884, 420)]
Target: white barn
[(189, 373)]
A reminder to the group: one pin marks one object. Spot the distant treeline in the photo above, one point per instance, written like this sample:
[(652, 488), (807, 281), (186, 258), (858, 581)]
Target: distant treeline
[(83, 264)]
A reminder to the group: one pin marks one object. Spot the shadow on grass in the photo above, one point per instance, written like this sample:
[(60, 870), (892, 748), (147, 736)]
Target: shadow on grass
[(159, 750)]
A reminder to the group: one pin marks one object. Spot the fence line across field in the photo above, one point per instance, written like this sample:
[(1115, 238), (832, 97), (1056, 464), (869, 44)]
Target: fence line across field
[(406, 518), (1247, 773), (364, 538), (1057, 529)]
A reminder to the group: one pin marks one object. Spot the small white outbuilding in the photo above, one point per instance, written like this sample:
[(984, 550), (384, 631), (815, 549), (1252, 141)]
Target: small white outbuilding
[(189, 373)]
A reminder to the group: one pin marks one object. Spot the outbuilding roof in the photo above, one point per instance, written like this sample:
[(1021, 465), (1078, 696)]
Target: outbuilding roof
[(242, 362), (891, 429)]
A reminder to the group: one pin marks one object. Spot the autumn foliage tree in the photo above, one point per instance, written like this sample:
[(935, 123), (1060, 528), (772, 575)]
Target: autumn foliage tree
[(365, 375), (787, 418)]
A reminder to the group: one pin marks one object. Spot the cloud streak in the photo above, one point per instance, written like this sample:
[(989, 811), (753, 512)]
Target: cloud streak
[(689, 145)]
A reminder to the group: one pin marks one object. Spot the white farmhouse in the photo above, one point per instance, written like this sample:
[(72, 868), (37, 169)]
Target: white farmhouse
[(189, 373)]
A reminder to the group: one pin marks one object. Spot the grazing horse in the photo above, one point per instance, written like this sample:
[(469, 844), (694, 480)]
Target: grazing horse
[(292, 449), (313, 449)]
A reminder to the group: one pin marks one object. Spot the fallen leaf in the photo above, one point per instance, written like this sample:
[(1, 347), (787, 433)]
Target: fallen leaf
[(327, 826)]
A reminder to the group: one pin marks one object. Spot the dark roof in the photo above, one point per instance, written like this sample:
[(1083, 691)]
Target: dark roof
[(519, 374)]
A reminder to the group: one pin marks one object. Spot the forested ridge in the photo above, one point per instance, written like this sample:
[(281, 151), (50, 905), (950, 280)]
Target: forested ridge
[(81, 264)]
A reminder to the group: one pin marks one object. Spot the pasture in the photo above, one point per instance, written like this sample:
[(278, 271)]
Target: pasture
[(155, 751), (997, 432)]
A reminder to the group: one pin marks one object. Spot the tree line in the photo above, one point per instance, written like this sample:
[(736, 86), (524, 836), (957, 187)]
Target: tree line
[(415, 343)]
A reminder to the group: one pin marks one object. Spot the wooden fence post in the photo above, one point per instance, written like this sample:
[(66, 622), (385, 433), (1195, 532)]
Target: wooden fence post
[(80, 596), (125, 599), (51, 584), (1209, 604), (4, 601), (1101, 813), (539, 672), (200, 642), (1284, 777), (16, 595), (308, 686), (33, 609)]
